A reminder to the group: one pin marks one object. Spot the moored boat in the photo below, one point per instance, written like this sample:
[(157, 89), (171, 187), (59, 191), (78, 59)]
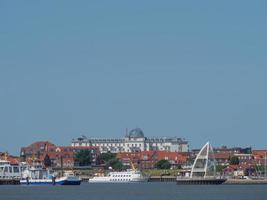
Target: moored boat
[(37, 175), (129, 176), (10, 173)]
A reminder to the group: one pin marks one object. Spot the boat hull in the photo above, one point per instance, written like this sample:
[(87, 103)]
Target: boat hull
[(50, 182), (193, 181), (68, 182)]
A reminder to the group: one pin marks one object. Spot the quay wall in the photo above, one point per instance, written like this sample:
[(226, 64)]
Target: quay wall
[(162, 179), (245, 182), (9, 182)]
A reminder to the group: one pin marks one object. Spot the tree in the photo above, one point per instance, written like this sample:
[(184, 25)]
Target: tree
[(234, 160), (220, 168), (163, 164), (115, 164), (105, 157), (110, 160), (83, 157), (47, 161)]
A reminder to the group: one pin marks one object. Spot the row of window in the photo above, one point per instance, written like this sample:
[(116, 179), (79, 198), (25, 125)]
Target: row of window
[(120, 179), (119, 144), (121, 175), (9, 169)]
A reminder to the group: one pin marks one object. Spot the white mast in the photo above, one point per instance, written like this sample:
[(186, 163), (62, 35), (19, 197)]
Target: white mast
[(204, 162)]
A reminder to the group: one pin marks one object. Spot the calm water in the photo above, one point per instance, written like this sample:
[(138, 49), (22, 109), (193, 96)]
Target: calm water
[(142, 191)]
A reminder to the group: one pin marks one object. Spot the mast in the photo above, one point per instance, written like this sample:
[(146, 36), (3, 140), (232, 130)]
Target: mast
[(204, 162), (265, 164)]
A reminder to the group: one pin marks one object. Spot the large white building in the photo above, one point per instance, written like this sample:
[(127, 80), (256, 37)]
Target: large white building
[(135, 141)]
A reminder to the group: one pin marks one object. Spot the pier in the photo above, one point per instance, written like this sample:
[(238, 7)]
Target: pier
[(9, 182), (246, 182), (162, 179), (199, 181)]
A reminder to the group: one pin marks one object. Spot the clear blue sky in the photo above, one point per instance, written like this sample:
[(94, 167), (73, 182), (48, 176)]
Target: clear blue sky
[(192, 69)]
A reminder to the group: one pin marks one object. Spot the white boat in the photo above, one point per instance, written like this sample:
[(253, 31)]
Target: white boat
[(120, 177), (39, 175), (8, 171)]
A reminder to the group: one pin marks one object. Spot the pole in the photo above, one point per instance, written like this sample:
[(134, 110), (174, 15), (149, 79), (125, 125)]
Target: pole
[(265, 164)]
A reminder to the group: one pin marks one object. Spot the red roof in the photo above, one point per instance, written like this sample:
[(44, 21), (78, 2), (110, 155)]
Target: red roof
[(154, 155)]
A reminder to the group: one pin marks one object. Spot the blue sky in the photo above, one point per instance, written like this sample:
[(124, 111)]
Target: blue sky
[(192, 69)]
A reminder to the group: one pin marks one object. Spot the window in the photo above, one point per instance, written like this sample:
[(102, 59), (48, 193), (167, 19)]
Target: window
[(16, 169), (6, 169)]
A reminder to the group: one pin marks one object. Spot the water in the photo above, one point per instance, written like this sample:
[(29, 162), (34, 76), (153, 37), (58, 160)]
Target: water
[(139, 191)]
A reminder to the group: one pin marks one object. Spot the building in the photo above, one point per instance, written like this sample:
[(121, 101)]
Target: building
[(223, 154), (60, 156), (260, 156), (148, 159), (135, 141), (14, 160)]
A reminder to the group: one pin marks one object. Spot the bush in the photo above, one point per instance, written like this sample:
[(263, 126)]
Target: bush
[(163, 164), (83, 157), (234, 160)]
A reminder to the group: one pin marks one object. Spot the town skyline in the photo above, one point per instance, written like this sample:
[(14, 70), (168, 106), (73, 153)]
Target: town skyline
[(84, 137)]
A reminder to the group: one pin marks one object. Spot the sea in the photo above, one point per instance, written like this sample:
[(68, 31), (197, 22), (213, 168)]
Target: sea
[(133, 191)]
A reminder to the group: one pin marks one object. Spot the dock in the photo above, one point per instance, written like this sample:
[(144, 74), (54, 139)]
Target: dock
[(162, 179), (199, 181), (246, 182), (9, 182)]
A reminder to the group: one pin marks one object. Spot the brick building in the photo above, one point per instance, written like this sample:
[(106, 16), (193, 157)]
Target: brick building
[(60, 156)]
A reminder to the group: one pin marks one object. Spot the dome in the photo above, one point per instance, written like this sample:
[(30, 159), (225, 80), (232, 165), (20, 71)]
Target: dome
[(136, 133)]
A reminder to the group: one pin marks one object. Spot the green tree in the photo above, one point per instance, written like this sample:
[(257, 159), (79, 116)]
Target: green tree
[(105, 157), (115, 164), (234, 160), (220, 168), (163, 164), (83, 157)]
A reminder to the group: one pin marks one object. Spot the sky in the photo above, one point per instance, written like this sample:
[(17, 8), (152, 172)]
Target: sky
[(191, 69)]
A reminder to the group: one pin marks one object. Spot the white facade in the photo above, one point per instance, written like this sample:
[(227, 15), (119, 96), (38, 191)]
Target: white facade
[(135, 141)]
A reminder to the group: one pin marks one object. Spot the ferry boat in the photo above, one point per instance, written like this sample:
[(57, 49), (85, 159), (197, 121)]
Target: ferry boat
[(38, 175), (129, 176), (8, 171)]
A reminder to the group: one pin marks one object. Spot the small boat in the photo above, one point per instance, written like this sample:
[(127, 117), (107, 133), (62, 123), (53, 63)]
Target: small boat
[(68, 178), (129, 176), (39, 175)]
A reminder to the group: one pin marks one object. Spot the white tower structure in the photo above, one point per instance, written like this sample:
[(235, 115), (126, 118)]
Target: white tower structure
[(205, 164)]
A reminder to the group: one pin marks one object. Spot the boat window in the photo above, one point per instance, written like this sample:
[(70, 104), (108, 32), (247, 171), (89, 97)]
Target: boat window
[(1, 169), (6, 169), (10, 169), (16, 169)]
